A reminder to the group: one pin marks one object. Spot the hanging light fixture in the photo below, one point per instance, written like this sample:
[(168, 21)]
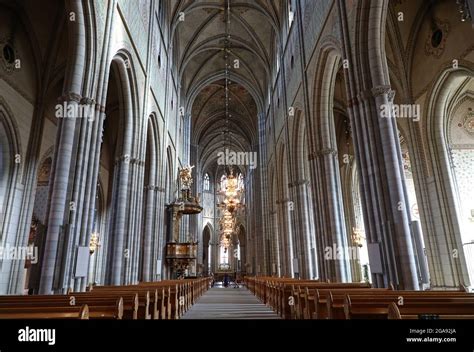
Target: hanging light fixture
[(227, 193), (464, 9)]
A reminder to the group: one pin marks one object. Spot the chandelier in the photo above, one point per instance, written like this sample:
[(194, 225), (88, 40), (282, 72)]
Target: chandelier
[(229, 196), (227, 222), (227, 225), (225, 241), (94, 242), (464, 10), (358, 236)]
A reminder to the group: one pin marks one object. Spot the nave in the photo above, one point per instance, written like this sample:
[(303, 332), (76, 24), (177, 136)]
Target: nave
[(260, 298), (320, 151), (229, 303)]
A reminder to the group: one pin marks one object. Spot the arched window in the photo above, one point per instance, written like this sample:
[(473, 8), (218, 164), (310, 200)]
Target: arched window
[(223, 184), (207, 183), (240, 183), (291, 13), (461, 152)]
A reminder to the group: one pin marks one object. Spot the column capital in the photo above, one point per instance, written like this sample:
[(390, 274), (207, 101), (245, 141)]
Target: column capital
[(298, 183), (283, 201), (322, 152), (364, 95), (152, 188), (127, 159), (122, 159), (87, 101), (136, 161), (70, 96), (381, 90)]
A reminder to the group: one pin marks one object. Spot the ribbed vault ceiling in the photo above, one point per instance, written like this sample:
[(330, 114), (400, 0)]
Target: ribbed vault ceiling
[(201, 41)]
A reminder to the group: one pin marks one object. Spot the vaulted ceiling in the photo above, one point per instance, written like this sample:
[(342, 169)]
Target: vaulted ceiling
[(205, 43)]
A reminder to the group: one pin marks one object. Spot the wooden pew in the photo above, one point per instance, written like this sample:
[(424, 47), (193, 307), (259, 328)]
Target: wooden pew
[(289, 297), (286, 291), (103, 308), (179, 294), (331, 302), (422, 310), (165, 299), (143, 311), (60, 312), (376, 307), (130, 300), (171, 296)]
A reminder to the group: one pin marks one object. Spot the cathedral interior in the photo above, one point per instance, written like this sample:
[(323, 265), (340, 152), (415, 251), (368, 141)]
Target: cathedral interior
[(271, 149)]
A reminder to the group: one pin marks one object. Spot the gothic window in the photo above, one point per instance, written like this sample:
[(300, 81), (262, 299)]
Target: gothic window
[(463, 162), (240, 184), (461, 155), (223, 184), (291, 13), (207, 183), (224, 257)]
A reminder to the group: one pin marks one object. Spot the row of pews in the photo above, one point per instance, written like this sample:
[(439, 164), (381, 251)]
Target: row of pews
[(312, 299), (147, 300)]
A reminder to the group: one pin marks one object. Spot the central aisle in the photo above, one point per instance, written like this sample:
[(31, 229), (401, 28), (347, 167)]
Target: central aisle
[(229, 303)]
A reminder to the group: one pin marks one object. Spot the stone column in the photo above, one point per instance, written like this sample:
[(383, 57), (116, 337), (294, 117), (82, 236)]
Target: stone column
[(64, 148), (375, 139), (135, 228), (275, 262), (83, 187), (150, 191), (334, 229), (286, 237), (59, 205), (302, 228), (118, 229), (159, 237)]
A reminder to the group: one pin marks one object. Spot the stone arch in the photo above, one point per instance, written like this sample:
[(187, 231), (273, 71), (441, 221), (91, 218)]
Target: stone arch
[(11, 161), (286, 238), (75, 91), (207, 253), (275, 246), (97, 262), (170, 176), (302, 198), (10, 150), (120, 130), (451, 272), (324, 162), (152, 160), (242, 243)]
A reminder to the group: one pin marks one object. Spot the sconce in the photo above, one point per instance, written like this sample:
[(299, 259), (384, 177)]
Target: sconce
[(357, 236), (94, 243)]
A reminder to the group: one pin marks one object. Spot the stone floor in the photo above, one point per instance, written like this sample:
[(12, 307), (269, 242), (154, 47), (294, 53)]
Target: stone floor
[(229, 303)]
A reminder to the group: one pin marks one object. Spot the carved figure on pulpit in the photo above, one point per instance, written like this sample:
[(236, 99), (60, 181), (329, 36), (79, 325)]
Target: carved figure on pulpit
[(185, 177)]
